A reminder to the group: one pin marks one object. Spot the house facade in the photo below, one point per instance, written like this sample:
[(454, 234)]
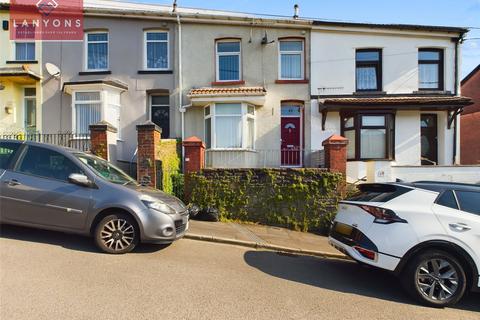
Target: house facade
[(123, 72), (470, 120), (392, 90), (246, 91), (20, 79)]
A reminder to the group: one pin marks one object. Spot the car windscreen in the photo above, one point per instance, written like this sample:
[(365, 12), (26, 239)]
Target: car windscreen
[(105, 169), (377, 192)]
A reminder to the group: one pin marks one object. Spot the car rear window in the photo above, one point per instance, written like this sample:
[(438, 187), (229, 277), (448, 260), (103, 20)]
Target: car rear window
[(7, 151), (374, 192), (469, 201)]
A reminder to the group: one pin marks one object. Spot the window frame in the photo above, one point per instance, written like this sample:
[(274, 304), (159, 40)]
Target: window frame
[(358, 126), (217, 59), (145, 49), (85, 49), (34, 98), (24, 41), (441, 64), (244, 115), (302, 57), (74, 107), (378, 68)]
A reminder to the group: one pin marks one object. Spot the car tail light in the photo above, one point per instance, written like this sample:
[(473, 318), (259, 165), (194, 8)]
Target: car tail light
[(369, 254), (383, 215)]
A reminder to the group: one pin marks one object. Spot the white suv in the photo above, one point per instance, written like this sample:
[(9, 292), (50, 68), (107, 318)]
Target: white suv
[(428, 233)]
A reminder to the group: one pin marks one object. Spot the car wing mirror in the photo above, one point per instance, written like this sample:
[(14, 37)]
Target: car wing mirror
[(80, 180)]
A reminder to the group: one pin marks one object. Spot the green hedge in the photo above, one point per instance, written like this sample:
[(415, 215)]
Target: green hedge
[(301, 199)]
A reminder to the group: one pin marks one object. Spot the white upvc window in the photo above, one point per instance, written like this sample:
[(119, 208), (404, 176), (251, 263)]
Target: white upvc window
[(156, 50), (228, 60), (87, 110), (230, 126), (291, 59), (24, 47), (96, 51)]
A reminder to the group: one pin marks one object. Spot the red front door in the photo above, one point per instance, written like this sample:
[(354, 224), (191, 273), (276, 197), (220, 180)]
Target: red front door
[(291, 147)]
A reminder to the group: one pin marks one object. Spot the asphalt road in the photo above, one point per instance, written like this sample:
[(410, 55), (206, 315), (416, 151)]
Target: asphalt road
[(49, 275)]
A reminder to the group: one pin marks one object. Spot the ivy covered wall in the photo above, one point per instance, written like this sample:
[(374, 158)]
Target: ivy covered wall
[(169, 154), (301, 199)]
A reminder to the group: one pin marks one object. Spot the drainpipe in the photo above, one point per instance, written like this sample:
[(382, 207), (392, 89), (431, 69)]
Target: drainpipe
[(180, 85), (456, 93)]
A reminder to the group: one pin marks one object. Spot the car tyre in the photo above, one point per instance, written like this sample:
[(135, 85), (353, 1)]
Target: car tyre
[(435, 278), (116, 234)]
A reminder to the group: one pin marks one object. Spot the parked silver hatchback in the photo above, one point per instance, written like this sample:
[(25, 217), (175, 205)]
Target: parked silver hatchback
[(56, 188)]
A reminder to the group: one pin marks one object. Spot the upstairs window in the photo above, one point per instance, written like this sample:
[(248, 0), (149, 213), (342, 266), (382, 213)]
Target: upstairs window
[(228, 62), (430, 69), (25, 44), (96, 51), (370, 136), (291, 60), (156, 50), (369, 70)]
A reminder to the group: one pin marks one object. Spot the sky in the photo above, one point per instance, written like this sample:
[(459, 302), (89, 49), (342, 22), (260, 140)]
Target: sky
[(459, 13)]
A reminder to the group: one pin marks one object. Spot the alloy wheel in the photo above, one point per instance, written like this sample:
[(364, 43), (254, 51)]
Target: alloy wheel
[(117, 234), (437, 279)]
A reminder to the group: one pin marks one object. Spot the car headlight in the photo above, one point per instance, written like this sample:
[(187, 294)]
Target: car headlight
[(157, 205)]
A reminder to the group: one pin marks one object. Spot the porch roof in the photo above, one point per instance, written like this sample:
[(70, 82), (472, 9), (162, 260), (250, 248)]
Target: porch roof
[(397, 102), (22, 75), (203, 96)]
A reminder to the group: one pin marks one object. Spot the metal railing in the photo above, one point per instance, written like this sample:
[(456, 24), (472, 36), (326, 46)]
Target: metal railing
[(79, 141), (264, 158)]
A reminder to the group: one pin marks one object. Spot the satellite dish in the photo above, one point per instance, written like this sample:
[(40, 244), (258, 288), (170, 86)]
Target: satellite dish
[(53, 70)]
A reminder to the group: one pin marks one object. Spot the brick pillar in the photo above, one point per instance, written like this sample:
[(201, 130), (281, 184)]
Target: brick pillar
[(148, 137), (336, 153), (102, 137), (194, 154)]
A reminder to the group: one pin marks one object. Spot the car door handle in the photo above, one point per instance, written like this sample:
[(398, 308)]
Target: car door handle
[(13, 182), (459, 227)]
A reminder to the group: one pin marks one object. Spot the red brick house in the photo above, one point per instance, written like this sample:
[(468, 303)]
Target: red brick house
[(470, 119)]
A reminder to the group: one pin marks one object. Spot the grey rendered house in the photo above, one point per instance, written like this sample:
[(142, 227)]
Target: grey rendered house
[(247, 90), (238, 82), (123, 73)]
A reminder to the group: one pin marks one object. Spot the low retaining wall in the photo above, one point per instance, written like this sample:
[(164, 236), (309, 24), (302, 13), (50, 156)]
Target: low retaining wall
[(301, 199), (463, 174)]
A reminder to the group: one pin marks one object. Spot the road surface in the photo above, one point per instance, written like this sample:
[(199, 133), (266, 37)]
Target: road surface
[(49, 275)]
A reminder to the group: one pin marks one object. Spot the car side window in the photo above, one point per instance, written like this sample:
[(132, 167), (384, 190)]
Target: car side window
[(7, 152), (469, 201), (47, 163), (447, 199)]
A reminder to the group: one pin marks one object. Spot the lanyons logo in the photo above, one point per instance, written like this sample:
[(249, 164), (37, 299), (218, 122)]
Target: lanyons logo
[(46, 6)]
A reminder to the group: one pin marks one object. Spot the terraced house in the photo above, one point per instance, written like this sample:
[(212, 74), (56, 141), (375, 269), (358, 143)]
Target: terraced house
[(394, 92), (20, 76), (258, 91)]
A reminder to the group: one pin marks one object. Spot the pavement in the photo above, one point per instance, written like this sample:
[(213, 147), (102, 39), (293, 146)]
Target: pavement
[(264, 237), (50, 275)]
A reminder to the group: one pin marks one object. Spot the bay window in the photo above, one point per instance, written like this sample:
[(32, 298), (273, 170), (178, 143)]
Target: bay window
[(430, 69), (96, 51), (156, 50), (291, 60), (371, 136), (87, 110), (228, 60), (230, 126), (369, 70)]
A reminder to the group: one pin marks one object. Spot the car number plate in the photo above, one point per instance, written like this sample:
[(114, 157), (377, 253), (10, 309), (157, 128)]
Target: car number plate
[(344, 229)]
